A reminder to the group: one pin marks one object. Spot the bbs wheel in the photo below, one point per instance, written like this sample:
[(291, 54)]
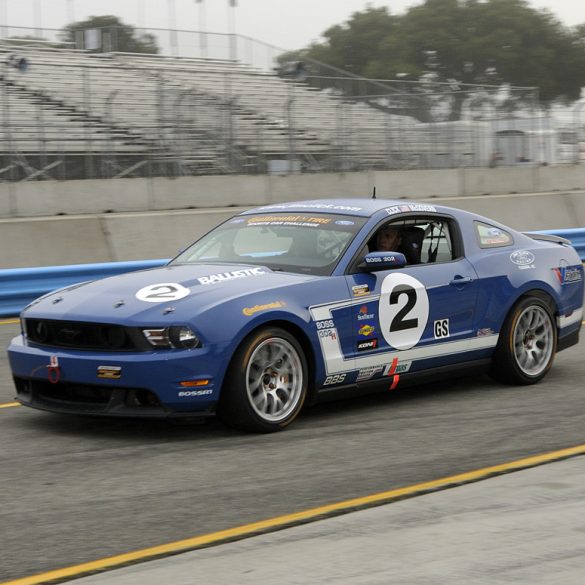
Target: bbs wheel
[(266, 383), (527, 343)]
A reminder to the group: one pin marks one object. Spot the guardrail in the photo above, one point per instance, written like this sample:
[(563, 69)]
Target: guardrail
[(20, 286), (575, 235)]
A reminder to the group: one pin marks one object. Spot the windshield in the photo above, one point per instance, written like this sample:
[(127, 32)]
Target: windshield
[(308, 244)]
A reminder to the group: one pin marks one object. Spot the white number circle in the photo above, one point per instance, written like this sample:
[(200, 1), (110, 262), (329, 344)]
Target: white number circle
[(403, 310), (163, 292)]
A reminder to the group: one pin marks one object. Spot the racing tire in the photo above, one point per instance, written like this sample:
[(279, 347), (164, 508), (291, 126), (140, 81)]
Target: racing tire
[(266, 383), (527, 344)]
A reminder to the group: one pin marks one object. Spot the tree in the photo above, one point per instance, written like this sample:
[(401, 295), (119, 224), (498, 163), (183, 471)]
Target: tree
[(123, 37), (457, 42)]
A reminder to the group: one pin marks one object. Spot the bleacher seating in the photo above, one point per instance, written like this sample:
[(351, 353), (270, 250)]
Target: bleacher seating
[(198, 115)]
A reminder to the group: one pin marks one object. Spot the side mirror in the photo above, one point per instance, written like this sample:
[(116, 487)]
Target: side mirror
[(375, 261)]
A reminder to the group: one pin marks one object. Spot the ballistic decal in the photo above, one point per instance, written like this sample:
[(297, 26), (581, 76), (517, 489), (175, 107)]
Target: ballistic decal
[(223, 276)]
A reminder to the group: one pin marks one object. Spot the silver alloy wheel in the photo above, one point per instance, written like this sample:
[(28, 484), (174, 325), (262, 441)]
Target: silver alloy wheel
[(533, 340), (274, 379)]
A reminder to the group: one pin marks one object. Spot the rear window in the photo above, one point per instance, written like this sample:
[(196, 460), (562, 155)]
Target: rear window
[(490, 236)]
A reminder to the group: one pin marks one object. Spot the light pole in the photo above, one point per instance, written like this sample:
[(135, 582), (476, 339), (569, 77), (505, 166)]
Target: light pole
[(173, 27), (232, 4), (3, 19), (70, 11), (202, 27), (38, 19)]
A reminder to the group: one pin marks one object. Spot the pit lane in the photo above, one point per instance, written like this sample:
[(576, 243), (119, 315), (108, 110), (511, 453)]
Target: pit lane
[(75, 489)]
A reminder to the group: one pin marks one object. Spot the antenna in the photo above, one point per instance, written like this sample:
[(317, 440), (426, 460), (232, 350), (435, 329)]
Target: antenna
[(374, 193)]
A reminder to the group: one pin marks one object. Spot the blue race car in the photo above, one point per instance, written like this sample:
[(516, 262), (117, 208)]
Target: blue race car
[(286, 304)]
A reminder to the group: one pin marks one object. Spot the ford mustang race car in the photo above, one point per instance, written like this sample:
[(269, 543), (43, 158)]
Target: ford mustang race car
[(286, 304)]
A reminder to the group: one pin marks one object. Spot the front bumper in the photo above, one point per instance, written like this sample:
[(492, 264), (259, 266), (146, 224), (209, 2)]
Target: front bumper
[(154, 384)]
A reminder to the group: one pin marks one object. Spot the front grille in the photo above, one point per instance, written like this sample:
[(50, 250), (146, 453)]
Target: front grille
[(86, 398), (78, 335)]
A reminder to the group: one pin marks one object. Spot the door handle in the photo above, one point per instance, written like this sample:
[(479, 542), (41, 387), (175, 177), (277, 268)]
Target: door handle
[(459, 280)]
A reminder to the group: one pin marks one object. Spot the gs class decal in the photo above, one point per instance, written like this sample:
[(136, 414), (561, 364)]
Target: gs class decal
[(403, 310)]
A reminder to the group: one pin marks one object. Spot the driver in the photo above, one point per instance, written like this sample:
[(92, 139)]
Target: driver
[(388, 239)]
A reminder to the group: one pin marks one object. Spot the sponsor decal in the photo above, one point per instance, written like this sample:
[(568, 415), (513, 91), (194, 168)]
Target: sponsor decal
[(192, 393), (294, 220), (249, 311), (328, 333), (109, 372), (366, 330), (522, 258), (441, 328), (412, 207), (569, 274), (360, 290), (335, 379), (367, 345), (344, 222), (326, 324), (222, 277), (363, 314), (313, 206), (368, 373), (485, 332), (54, 370), (162, 292)]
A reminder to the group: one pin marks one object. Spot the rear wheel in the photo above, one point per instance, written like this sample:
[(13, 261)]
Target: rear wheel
[(266, 384), (527, 344)]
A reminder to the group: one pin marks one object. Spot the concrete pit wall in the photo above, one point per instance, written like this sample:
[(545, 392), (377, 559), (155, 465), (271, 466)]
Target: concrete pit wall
[(99, 228)]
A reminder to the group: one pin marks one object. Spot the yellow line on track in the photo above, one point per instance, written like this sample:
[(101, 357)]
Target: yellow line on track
[(9, 404), (9, 321), (288, 520)]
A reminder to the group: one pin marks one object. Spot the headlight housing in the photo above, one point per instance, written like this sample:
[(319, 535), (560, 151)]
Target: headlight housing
[(176, 336)]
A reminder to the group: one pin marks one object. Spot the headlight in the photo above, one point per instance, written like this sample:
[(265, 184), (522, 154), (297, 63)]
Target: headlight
[(178, 336)]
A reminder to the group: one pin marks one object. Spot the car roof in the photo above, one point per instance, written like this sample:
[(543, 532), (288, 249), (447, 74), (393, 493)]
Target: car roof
[(355, 207)]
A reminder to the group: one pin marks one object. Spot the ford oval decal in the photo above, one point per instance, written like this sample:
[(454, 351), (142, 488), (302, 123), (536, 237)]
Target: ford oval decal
[(522, 257)]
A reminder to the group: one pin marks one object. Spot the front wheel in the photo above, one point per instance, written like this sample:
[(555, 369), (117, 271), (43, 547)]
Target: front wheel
[(527, 343), (266, 384)]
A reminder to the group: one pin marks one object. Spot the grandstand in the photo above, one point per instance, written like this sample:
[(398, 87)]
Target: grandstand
[(75, 114)]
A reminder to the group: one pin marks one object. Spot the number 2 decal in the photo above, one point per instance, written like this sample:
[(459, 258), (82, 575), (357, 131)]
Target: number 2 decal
[(403, 310), (161, 292)]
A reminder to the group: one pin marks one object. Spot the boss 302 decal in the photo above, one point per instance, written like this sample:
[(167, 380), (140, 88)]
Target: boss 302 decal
[(403, 310)]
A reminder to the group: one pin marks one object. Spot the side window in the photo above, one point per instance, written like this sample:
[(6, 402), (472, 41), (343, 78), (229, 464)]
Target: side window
[(438, 242), (421, 240), (489, 236)]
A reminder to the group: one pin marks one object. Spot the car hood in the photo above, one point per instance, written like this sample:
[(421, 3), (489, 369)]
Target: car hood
[(150, 295)]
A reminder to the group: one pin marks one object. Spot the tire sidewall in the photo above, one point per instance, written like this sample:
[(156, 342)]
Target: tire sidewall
[(235, 408), (505, 359)]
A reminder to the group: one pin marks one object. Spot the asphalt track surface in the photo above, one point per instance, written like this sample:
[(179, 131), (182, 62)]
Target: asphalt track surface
[(74, 490)]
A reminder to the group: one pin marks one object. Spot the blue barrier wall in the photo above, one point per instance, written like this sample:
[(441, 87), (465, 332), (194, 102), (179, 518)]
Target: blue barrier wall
[(20, 286)]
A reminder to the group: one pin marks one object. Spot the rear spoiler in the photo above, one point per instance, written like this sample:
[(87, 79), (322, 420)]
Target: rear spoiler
[(548, 238)]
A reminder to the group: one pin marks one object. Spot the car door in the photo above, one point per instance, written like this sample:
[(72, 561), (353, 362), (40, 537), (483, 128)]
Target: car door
[(418, 316)]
